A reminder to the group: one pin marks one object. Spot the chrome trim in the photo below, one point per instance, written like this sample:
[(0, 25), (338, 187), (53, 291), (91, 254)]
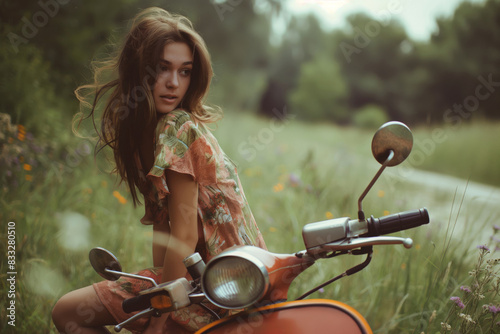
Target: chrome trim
[(241, 254)]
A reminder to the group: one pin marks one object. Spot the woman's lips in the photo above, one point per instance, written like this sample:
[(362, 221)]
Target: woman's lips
[(168, 98)]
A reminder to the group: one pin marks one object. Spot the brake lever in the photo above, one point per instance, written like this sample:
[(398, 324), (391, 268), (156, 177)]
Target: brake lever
[(352, 243), (149, 311)]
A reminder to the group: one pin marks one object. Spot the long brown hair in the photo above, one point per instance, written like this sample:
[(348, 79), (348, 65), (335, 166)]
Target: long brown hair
[(125, 81)]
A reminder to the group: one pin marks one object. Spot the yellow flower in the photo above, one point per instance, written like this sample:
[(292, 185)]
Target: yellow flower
[(248, 172), (119, 197), (381, 193), (28, 178), (329, 215), (403, 266), (93, 215), (21, 132), (386, 212), (104, 184), (27, 167), (278, 187), (273, 229), (417, 246)]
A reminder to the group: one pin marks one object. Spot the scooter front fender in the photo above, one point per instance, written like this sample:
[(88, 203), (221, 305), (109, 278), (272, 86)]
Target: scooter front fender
[(317, 316)]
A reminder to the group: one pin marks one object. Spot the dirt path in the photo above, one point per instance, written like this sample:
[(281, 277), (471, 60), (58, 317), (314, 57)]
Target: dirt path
[(475, 207)]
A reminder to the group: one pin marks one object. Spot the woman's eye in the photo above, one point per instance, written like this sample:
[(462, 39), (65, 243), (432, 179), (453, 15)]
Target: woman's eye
[(186, 72)]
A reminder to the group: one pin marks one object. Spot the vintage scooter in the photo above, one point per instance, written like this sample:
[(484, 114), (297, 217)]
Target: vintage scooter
[(256, 281)]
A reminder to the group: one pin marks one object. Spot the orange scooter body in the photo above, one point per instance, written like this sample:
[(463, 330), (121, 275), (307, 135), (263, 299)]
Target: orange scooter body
[(316, 316)]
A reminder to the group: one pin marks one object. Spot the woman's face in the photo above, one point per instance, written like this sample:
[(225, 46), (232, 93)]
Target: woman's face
[(172, 82)]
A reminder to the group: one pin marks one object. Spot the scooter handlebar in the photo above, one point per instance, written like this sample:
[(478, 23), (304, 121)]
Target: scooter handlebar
[(397, 222)]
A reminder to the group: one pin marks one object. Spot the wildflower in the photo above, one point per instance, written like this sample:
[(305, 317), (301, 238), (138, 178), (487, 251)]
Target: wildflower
[(381, 193), (28, 178), (483, 247), (278, 187), (119, 197), (87, 191), (496, 227), (329, 215), (294, 180), (417, 246), (445, 326), (321, 290), (272, 229), (27, 167), (386, 212), (465, 289), (466, 317), (403, 266), (104, 184), (458, 302)]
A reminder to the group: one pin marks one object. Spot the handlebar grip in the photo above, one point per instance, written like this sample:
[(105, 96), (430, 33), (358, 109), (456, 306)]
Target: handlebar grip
[(137, 303), (397, 222)]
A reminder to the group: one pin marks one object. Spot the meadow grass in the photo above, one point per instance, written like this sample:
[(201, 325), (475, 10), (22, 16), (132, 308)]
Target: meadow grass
[(293, 174)]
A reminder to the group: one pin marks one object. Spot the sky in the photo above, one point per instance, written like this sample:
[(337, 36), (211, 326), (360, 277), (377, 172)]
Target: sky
[(417, 16)]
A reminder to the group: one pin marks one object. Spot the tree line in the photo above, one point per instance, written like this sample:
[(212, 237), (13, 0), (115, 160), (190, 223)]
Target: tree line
[(369, 71)]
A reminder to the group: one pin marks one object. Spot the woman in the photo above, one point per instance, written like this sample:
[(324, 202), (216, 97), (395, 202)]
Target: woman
[(155, 122)]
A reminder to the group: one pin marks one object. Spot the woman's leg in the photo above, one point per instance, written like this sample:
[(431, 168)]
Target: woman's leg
[(81, 312)]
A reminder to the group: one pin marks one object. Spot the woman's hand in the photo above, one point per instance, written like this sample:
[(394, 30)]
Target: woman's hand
[(157, 325)]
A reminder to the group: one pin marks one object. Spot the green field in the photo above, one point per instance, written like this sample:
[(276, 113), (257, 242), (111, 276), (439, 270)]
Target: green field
[(293, 174)]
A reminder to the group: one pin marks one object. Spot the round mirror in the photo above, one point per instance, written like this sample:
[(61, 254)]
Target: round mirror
[(394, 136), (102, 259)]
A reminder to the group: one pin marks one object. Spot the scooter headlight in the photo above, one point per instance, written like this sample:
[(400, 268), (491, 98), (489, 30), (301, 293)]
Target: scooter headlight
[(235, 280)]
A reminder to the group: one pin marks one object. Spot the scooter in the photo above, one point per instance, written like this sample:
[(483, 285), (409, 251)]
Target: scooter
[(256, 281)]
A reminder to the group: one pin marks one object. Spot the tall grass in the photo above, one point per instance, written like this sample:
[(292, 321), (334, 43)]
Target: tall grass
[(293, 174)]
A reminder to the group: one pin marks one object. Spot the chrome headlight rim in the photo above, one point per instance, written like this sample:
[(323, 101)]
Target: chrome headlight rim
[(237, 254)]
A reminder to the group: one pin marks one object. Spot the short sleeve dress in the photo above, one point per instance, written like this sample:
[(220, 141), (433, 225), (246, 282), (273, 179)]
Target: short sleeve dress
[(224, 216)]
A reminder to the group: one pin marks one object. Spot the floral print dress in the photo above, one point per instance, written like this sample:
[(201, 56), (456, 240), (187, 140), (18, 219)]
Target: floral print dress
[(224, 216)]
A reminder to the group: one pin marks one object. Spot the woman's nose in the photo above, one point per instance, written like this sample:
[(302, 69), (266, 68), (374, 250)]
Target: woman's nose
[(173, 80)]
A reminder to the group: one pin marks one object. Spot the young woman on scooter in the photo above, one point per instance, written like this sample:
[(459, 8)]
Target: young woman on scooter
[(155, 122)]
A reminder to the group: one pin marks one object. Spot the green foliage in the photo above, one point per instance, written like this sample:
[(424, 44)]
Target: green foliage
[(293, 180), (370, 116), (320, 93)]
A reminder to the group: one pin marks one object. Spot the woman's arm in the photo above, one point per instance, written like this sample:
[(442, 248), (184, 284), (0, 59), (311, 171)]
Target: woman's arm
[(161, 234), (183, 236), (172, 243)]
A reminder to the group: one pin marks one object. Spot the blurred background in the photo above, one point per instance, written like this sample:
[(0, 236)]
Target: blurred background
[(303, 84)]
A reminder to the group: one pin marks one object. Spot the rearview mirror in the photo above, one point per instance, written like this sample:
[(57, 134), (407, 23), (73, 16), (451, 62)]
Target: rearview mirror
[(102, 261), (394, 136)]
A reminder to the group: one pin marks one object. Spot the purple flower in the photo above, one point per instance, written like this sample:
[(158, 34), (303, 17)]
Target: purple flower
[(493, 309), (483, 247), (465, 289), (457, 301), (496, 227)]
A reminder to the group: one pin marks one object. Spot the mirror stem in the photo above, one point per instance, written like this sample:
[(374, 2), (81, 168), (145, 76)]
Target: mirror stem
[(361, 214), (119, 273)]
